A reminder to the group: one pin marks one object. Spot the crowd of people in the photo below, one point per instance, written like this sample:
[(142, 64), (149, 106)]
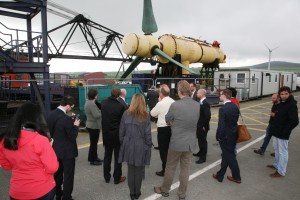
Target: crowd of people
[(42, 152)]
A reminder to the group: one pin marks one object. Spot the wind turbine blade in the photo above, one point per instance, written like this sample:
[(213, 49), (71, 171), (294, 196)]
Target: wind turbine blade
[(268, 47), (275, 48), (149, 24), (132, 66), (157, 51)]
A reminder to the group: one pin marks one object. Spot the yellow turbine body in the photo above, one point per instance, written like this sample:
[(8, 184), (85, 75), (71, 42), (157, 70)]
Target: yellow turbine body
[(190, 49), (139, 45)]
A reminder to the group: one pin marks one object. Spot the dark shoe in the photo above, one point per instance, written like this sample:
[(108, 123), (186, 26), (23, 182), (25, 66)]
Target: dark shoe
[(181, 198), (157, 190), (157, 148), (200, 161), (276, 175), (234, 180), (271, 166), (96, 163), (196, 154), (99, 160), (259, 151), (137, 196), (122, 179), (215, 176), (132, 196), (107, 180), (160, 173), (272, 154)]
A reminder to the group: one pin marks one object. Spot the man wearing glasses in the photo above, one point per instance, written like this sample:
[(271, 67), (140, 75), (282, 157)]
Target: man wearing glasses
[(64, 130)]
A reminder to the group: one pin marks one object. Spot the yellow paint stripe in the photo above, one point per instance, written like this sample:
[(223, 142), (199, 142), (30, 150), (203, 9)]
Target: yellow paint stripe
[(82, 146), (256, 129), (255, 105), (251, 118), (260, 112)]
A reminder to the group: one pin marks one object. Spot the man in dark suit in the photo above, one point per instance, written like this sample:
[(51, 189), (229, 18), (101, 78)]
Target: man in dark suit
[(227, 136), (203, 126), (152, 99), (64, 131), (194, 92), (112, 111), (122, 98)]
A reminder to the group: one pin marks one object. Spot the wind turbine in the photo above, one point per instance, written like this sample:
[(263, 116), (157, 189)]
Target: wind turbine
[(270, 53)]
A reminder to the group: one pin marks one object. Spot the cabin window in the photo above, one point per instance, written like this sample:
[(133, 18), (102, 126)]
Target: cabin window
[(287, 78), (241, 78), (270, 78), (276, 78), (253, 78)]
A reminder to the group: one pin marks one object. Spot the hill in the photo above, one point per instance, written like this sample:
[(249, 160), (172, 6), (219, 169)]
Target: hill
[(278, 66)]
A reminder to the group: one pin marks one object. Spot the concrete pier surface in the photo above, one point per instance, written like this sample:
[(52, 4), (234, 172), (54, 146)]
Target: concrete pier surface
[(256, 182)]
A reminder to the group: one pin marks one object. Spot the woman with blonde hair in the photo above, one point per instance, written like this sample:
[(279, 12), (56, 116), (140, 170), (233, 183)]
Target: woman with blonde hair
[(136, 141)]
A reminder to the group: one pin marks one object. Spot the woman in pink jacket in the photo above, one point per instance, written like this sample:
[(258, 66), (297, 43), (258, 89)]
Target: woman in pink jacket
[(26, 150)]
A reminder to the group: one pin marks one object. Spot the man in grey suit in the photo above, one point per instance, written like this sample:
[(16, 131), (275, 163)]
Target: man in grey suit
[(182, 117)]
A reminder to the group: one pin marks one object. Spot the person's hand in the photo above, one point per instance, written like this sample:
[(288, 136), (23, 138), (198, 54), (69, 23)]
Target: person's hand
[(272, 114), (77, 122), (51, 141)]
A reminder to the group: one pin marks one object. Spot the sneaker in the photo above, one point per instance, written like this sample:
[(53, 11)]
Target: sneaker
[(276, 175), (259, 151)]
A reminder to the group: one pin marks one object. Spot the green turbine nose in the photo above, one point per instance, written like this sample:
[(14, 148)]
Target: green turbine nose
[(149, 24)]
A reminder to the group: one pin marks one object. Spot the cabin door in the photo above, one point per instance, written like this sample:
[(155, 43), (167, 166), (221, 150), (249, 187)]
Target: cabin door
[(282, 81)]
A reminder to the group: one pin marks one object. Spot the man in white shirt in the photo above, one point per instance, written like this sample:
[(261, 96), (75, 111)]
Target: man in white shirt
[(163, 130)]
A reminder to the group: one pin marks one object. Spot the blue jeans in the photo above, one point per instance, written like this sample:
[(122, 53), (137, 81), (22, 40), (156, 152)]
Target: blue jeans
[(281, 155), (266, 139)]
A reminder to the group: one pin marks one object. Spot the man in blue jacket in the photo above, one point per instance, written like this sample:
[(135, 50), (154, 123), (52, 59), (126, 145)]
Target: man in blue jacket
[(285, 120)]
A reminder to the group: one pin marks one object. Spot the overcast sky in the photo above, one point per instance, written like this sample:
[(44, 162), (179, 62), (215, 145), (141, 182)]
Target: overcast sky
[(242, 27)]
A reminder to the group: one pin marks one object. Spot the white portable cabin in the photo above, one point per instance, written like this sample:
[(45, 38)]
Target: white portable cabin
[(253, 83)]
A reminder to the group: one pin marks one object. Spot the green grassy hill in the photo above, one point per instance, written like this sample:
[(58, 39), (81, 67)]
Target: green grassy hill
[(279, 66)]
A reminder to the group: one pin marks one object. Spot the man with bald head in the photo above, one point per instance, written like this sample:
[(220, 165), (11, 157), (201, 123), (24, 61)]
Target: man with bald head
[(163, 129), (182, 116), (275, 101), (203, 126)]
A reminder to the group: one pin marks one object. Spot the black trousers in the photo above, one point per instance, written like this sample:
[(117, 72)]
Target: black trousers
[(94, 137), (65, 176), (229, 159), (134, 177), (163, 139), (202, 142), (107, 163)]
